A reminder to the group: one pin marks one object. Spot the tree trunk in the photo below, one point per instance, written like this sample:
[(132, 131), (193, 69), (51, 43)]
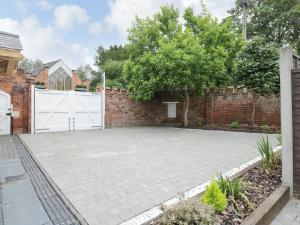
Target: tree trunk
[(255, 98), (186, 107)]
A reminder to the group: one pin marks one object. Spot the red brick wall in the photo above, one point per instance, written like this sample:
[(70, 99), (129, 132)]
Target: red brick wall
[(42, 77), (19, 87), (223, 108), (77, 81), (121, 110), (217, 108)]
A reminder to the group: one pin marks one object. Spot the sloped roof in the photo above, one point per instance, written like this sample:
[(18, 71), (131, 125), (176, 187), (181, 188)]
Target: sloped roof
[(37, 69), (10, 41)]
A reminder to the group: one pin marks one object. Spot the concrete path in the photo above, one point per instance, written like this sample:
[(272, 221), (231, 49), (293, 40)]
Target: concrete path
[(20, 204), (113, 175), (289, 215)]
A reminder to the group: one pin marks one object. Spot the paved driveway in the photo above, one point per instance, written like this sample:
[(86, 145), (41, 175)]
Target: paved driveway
[(113, 175)]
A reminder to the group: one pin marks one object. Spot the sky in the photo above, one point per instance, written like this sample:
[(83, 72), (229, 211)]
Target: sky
[(72, 30)]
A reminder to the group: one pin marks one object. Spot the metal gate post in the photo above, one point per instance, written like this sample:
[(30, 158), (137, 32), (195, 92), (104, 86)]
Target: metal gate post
[(103, 102), (32, 109), (73, 123)]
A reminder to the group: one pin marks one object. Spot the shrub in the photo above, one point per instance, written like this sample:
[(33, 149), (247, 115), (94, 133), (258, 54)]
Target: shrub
[(265, 128), (189, 212), (233, 189), (230, 187), (80, 86), (235, 124), (214, 197), (266, 152), (39, 83), (200, 124)]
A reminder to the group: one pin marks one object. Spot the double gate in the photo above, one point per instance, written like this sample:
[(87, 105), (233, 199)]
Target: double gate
[(5, 113), (66, 110)]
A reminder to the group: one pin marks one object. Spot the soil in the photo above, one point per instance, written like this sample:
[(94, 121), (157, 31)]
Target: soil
[(258, 185), (272, 130)]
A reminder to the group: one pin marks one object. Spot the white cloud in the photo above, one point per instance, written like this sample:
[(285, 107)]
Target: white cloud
[(95, 27), (219, 8), (122, 12), (66, 16), (44, 4), (45, 43)]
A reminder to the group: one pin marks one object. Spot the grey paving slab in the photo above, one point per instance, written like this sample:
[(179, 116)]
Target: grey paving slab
[(17, 191), (112, 175), (10, 168), (21, 213), (26, 197), (7, 149), (19, 202), (289, 215)]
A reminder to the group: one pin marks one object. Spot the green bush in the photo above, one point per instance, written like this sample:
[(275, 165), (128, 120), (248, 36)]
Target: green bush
[(189, 212), (39, 83), (233, 189), (265, 128), (230, 187), (266, 151), (214, 197), (200, 124), (80, 86), (235, 124)]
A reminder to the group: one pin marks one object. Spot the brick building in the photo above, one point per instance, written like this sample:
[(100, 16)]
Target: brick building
[(14, 87), (57, 75)]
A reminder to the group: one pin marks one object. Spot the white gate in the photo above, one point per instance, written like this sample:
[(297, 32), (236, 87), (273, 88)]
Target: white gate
[(66, 110), (5, 113)]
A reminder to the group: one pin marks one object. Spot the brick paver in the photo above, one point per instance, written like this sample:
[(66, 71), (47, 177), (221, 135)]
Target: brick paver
[(113, 175)]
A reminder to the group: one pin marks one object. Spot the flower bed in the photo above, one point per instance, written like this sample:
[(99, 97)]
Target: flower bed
[(258, 184), (230, 202)]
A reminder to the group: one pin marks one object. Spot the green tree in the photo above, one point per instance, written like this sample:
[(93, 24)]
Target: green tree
[(97, 79), (258, 69), (277, 20), (111, 62), (114, 52), (81, 73), (168, 57), (29, 63), (215, 36)]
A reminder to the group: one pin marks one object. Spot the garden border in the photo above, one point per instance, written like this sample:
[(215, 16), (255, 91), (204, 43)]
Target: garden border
[(149, 215), (269, 208)]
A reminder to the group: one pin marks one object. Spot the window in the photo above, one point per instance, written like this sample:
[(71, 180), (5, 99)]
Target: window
[(52, 82), (60, 83), (60, 80), (3, 66), (68, 83)]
